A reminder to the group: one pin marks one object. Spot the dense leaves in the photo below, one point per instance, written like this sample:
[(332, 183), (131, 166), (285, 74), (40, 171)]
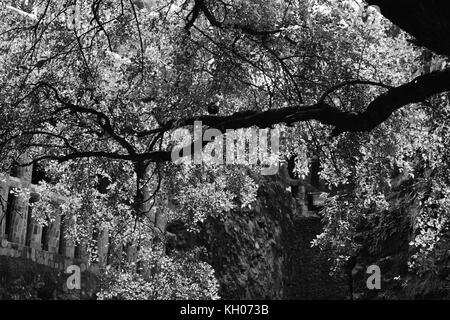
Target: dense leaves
[(96, 98)]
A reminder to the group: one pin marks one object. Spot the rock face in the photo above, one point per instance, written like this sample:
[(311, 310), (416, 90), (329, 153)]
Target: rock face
[(246, 248), (387, 246), (262, 252), (307, 272), (385, 243), (265, 252)]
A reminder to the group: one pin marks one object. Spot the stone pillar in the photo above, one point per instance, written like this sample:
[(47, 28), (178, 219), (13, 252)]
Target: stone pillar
[(68, 248), (53, 234), (35, 234), (4, 190), (301, 201), (82, 251), (116, 253), (132, 253), (19, 207), (102, 247), (83, 246)]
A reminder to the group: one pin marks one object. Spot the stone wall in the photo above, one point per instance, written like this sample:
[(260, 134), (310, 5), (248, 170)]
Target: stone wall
[(246, 247), (265, 252), (46, 258), (21, 236), (23, 279), (259, 253), (33, 262), (307, 269)]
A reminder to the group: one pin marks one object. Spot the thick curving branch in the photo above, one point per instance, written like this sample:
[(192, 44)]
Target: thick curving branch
[(428, 21), (378, 111)]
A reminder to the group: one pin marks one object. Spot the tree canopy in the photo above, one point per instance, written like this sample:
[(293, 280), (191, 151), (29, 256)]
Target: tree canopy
[(94, 90)]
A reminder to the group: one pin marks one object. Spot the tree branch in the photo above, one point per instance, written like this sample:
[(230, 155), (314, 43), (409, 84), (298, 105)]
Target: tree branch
[(427, 21), (200, 6), (377, 112)]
